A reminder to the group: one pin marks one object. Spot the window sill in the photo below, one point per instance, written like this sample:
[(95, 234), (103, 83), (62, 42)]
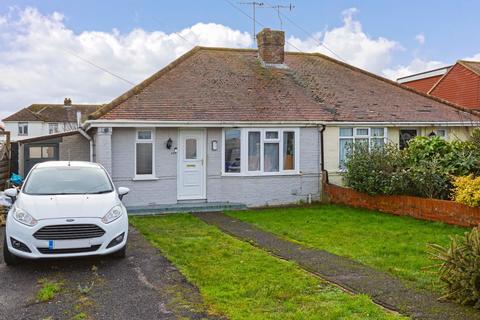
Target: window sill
[(145, 178), (263, 174)]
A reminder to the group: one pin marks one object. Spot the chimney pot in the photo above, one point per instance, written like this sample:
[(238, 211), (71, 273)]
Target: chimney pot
[(67, 102), (271, 46)]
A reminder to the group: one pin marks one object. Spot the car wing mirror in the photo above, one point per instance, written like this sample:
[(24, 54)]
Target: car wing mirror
[(11, 193), (122, 191)]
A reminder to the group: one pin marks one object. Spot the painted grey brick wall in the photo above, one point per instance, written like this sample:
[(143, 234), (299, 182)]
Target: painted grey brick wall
[(151, 192), (75, 148), (266, 190), (103, 148), (253, 191)]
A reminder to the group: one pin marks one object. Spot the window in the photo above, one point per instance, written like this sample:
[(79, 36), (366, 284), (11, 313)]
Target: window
[(373, 137), (405, 136), (144, 153), (232, 151), (442, 133), (260, 151), (23, 128), (191, 148), (46, 152), (254, 151), (52, 128)]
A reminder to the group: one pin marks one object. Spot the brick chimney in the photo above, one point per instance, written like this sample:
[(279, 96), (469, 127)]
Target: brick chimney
[(271, 46), (67, 102)]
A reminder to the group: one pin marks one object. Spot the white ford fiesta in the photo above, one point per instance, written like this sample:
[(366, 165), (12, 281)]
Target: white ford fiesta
[(66, 209)]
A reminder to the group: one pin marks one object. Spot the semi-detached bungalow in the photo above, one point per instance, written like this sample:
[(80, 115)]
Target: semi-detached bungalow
[(255, 126)]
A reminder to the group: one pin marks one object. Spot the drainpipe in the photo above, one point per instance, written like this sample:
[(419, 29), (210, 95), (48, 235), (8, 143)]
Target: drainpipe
[(90, 140), (321, 165)]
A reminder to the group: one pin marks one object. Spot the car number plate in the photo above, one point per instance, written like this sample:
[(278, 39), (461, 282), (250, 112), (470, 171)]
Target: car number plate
[(68, 244)]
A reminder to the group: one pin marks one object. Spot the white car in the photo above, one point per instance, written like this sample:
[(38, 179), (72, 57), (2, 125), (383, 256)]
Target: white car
[(66, 209)]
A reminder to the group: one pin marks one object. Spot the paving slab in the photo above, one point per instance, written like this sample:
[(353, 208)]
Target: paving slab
[(383, 288)]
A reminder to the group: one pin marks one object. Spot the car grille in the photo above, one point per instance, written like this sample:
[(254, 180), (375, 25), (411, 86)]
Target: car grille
[(69, 232), (70, 250)]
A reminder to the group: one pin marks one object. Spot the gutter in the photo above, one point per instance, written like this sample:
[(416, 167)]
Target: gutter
[(90, 140)]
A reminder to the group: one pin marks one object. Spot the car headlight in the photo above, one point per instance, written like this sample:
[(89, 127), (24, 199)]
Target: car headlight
[(112, 215), (24, 217)]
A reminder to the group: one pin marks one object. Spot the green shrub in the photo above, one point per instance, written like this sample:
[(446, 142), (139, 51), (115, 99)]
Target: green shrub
[(375, 171), (459, 268), (467, 190)]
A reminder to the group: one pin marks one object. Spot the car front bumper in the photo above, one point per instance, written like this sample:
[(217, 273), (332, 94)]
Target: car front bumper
[(40, 249)]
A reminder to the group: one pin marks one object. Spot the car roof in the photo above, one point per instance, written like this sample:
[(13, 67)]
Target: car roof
[(56, 164)]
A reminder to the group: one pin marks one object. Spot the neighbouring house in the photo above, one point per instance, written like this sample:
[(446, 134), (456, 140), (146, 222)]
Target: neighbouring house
[(43, 119), (459, 84)]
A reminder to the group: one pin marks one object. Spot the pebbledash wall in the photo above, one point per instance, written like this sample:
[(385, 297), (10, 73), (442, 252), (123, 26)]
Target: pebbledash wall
[(421, 208), (250, 190)]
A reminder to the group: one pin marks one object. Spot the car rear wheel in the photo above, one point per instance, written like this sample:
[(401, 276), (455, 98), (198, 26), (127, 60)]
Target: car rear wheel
[(120, 254), (10, 259)]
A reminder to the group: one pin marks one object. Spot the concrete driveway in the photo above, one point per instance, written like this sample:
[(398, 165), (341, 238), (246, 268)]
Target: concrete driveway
[(142, 286)]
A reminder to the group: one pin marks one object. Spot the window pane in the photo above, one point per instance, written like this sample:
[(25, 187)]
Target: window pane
[(362, 132), (35, 152), (405, 136), (232, 150), (144, 158), (144, 135), (346, 132), (48, 152), (377, 132), (191, 148), (271, 135), (377, 142), (254, 151), (345, 145), (271, 160), (288, 150), (441, 133), (363, 141)]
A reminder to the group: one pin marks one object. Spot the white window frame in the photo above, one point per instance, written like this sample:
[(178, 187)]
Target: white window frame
[(51, 125), (22, 125), (151, 176), (244, 152), (446, 133), (356, 136)]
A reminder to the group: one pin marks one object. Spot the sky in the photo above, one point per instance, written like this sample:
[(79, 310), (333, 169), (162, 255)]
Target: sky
[(52, 49)]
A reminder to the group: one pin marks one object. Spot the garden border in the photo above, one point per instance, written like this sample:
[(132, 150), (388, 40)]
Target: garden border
[(421, 208)]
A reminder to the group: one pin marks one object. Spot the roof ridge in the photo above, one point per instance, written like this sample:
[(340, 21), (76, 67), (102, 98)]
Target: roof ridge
[(465, 63)]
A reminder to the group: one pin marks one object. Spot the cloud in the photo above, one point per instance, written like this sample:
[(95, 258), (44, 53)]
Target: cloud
[(420, 38), (37, 65), (350, 43)]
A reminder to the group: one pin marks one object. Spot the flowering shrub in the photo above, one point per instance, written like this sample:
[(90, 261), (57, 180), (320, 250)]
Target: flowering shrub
[(467, 190)]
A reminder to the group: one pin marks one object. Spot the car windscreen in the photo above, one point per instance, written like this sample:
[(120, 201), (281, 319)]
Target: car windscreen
[(67, 180)]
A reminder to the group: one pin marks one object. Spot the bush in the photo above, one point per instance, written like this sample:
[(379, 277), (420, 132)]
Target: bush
[(467, 190), (375, 171), (459, 269)]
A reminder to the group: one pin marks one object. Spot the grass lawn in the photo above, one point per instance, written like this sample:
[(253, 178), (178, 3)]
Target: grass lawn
[(242, 282), (387, 242)]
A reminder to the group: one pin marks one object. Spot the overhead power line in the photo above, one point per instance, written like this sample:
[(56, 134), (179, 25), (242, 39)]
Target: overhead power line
[(97, 66)]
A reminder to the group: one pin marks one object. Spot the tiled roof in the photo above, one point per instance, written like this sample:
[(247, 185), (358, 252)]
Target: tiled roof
[(472, 65), (52, 113), (219, 84)]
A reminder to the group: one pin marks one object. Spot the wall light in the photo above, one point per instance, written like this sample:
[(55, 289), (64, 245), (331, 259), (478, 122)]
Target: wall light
[(169, 143)]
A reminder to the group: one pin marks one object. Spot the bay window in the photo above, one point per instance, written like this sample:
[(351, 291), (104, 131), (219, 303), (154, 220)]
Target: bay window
[(144, 153), (373, 137), (260, 151)]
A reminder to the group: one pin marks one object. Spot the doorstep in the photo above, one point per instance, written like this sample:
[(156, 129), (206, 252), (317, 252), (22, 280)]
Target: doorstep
[(190, 207)]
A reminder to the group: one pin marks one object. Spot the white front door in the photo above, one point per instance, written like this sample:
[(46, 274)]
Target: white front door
[(191, 165)]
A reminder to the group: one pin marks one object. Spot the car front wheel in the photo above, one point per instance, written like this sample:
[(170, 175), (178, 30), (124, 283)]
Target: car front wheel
[(10, 259)]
